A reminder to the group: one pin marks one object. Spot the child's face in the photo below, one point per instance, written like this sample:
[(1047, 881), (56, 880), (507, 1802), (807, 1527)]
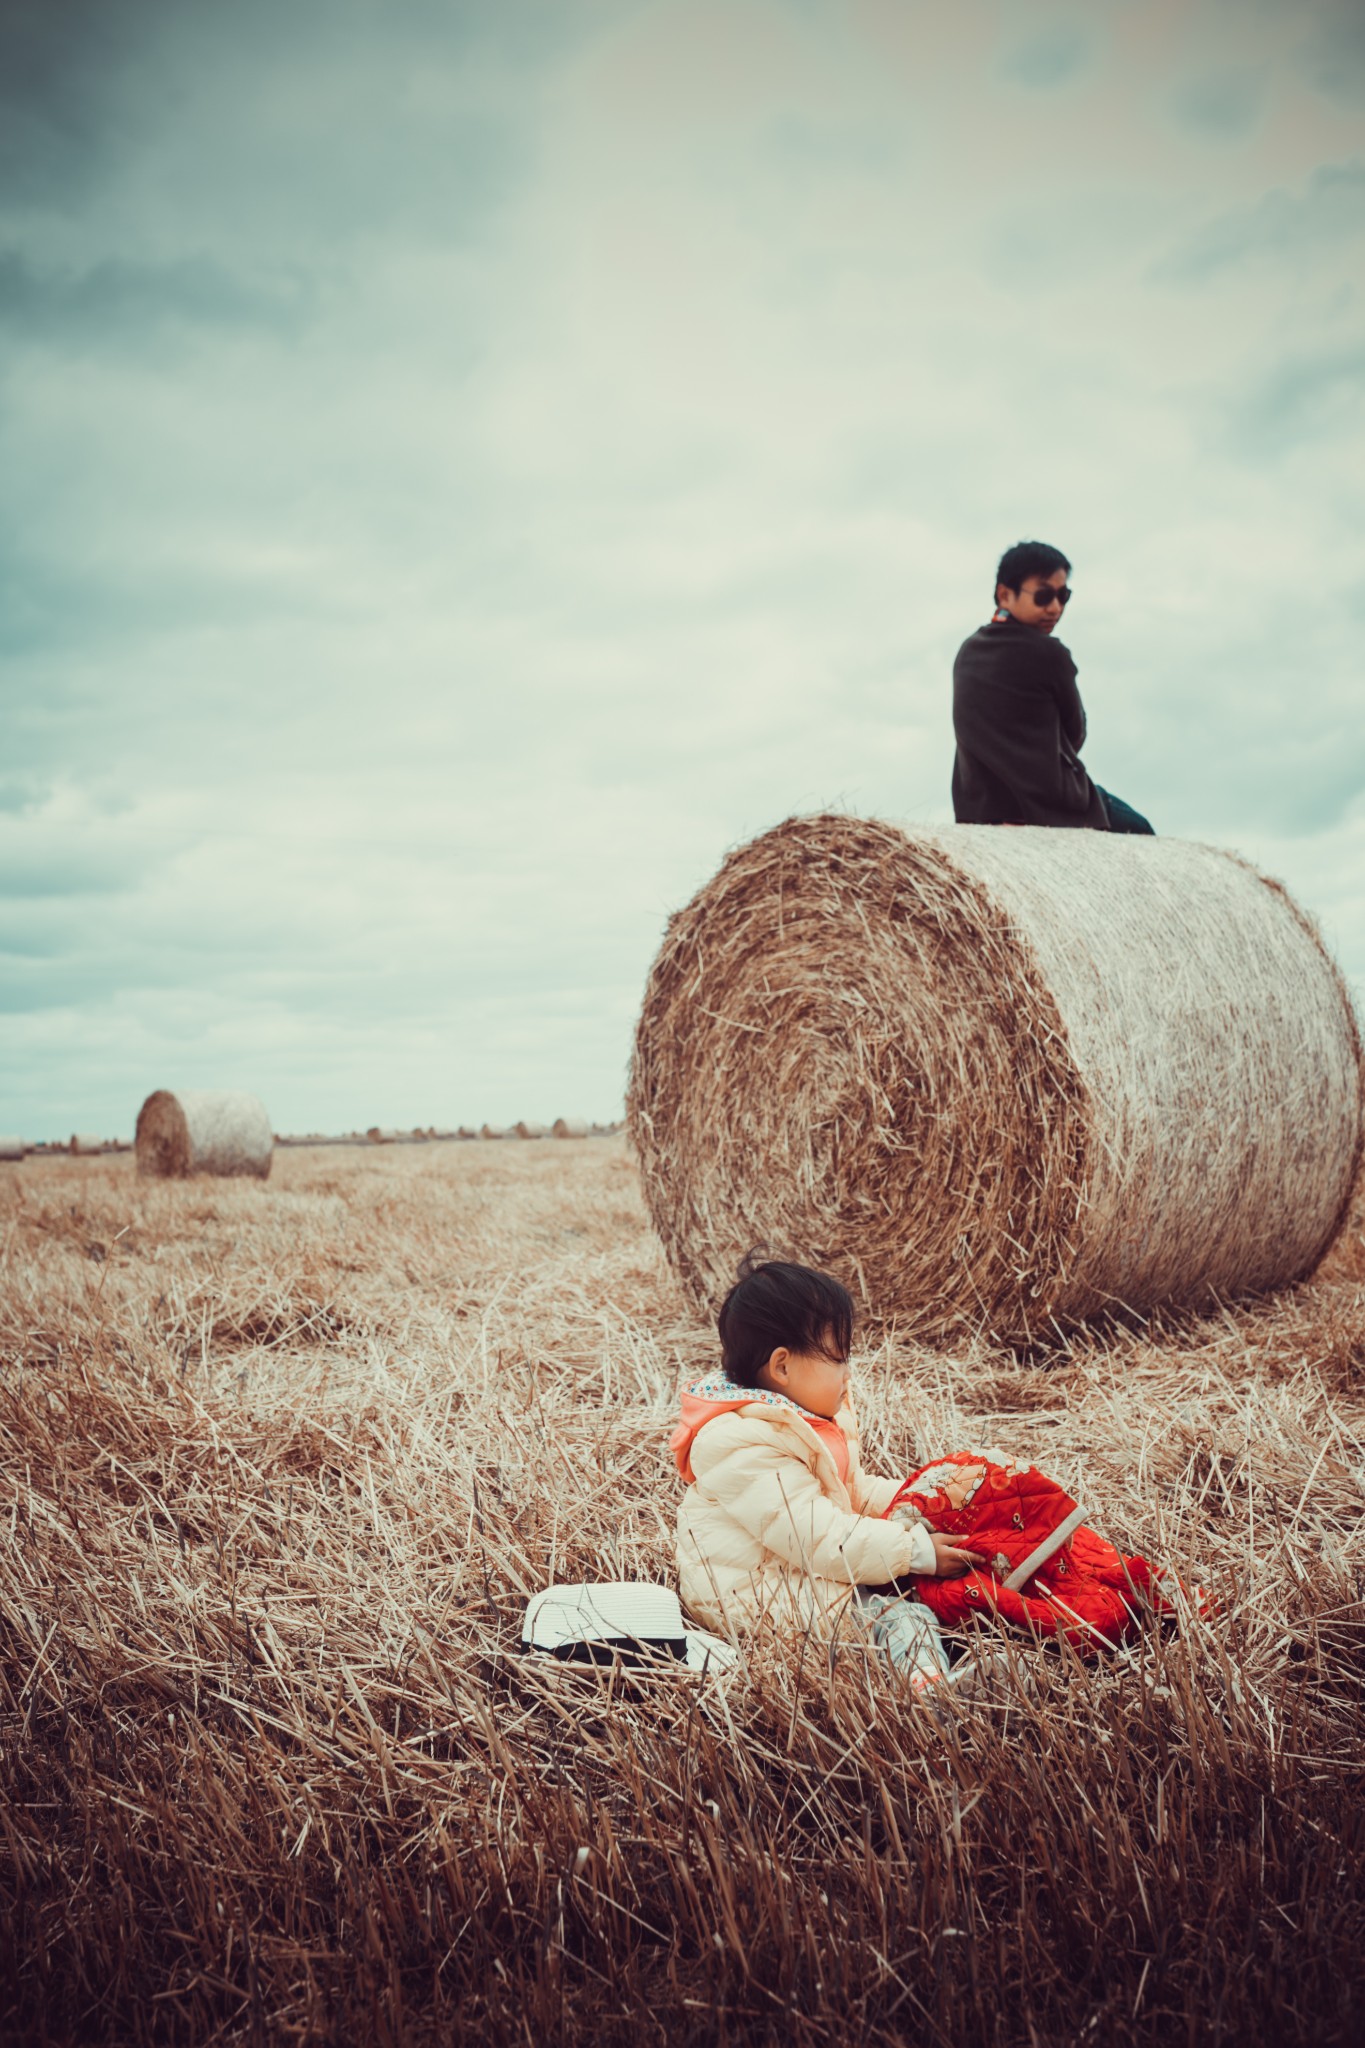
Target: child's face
[(815, 1380)]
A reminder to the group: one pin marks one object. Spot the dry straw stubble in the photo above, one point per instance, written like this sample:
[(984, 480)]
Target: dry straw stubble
[(996, 1079), (283, 1465), (203, 1130)]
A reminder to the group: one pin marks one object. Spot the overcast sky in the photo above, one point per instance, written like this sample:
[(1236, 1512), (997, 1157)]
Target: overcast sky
[(464, 467)]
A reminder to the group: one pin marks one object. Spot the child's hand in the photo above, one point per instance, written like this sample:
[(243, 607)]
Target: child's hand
[(950, 1562)]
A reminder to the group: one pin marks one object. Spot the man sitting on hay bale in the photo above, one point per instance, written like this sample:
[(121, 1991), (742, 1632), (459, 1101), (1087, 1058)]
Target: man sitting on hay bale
[(1017, 712)]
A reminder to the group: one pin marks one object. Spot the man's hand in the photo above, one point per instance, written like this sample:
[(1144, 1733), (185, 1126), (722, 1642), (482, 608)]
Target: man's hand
[(950, 1562)]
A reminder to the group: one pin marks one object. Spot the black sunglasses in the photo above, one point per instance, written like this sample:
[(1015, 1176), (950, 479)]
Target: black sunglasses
[(1045, 594)]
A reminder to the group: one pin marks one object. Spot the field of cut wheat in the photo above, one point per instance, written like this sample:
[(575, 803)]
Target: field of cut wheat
[(282, 1463)]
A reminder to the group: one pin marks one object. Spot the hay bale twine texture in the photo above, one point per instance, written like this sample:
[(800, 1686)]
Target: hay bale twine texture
[(203, 1130), (997, 1079)]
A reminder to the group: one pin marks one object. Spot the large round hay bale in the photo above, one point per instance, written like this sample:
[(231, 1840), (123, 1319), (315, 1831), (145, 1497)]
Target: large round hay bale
[(203, 1130), (530, 1130), (12, 1148), (1002, 1079)]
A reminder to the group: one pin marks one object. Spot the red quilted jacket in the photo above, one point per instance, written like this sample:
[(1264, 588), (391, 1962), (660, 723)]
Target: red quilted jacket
[(1049, 1574)]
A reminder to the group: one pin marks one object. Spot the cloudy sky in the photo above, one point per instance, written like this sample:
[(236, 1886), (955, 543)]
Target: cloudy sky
[(462, 467)]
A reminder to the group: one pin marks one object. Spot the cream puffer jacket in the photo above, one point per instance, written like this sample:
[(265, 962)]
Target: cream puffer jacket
[(768, 1526)]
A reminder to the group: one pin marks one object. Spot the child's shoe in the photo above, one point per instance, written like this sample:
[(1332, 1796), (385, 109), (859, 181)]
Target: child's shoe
[(983, 1680)]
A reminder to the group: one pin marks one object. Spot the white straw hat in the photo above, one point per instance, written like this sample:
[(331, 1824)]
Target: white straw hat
[(638, 1623)]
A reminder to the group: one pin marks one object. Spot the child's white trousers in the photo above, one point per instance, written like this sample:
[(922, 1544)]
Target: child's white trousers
[(905, 1629)]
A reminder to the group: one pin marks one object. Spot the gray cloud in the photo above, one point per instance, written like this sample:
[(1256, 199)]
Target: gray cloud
[(1050, 56), (178, 151), (1333, 53), (37, 872), (60, 70), (1308, 396), (119, 300), (1226, 102), (1326, 214)]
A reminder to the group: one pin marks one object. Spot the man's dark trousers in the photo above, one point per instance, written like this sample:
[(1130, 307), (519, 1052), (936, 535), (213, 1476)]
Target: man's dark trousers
[(1122, 816)]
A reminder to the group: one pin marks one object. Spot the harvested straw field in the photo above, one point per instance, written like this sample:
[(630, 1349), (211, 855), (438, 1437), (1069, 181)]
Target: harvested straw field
[(282, 1464), (998, 1080), (203, 1130)]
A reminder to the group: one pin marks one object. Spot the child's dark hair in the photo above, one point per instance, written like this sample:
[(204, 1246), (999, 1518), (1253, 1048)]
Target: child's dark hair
[(773, 1304)]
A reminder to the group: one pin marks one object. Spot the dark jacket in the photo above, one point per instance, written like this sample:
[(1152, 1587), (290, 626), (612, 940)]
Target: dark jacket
[(1020, 727)]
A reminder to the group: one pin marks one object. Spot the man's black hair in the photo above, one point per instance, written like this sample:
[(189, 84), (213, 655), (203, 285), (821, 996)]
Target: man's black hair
[(1028, 558), (773, 1304)]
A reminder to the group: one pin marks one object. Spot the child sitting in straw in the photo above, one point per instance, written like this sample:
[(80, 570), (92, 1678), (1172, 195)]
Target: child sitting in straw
[(779, 1519)]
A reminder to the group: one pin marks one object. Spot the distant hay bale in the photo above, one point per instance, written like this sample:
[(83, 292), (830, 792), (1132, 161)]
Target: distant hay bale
[(12, 1148), (570, 1127), (203, 1130), (85, 1143), (525, 1130), (996, 1078), (494, 1131)]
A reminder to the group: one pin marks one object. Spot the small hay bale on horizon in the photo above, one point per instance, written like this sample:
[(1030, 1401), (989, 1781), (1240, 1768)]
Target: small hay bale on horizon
[(529, 1130), (85, 1144), (12, 1148), (996, 1079), (569, 1127), (203, 1130)]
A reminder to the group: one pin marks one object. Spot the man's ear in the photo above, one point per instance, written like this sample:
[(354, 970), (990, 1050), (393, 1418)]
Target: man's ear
[(1002, 591)]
